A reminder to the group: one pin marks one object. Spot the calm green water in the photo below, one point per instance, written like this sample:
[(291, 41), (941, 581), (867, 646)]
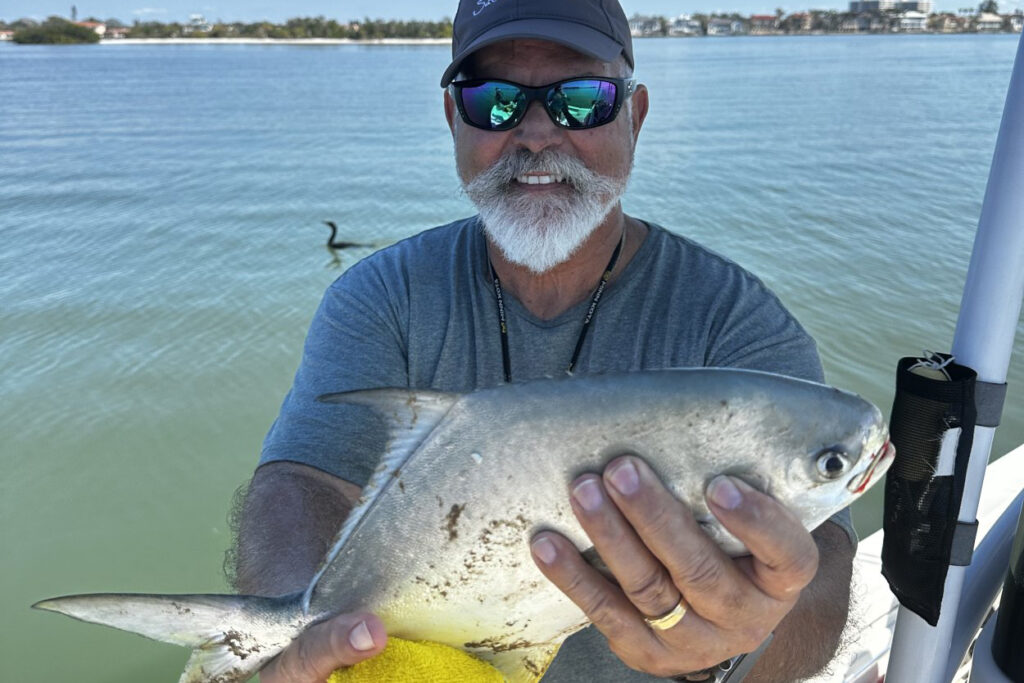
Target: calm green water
[(161, 256)]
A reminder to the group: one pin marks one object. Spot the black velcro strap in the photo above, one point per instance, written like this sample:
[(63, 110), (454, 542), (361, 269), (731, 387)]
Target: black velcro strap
[(962, 550), (989, 399), (922, 506)]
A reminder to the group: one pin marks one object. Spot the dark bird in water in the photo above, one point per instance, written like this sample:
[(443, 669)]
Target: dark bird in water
[(334, 243)]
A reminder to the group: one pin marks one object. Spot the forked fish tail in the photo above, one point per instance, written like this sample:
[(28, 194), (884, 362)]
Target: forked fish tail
[(231, 636)]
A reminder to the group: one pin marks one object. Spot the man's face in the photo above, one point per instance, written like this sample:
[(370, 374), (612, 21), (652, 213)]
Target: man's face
[(540, 225)]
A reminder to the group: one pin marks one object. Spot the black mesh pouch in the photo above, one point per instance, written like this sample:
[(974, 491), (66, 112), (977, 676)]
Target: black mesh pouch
[(921, 506)]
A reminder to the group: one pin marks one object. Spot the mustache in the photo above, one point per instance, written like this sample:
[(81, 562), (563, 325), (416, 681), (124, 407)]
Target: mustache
[(574, 173)]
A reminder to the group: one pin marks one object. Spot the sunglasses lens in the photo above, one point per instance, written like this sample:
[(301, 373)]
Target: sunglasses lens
[(493, 105), (582, 103)]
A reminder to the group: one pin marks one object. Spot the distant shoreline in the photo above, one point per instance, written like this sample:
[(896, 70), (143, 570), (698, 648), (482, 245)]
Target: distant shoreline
[(447, 41), (276, 41), (442, 41)]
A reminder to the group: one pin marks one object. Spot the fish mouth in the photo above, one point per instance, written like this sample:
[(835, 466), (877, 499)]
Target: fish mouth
[(880, 462)]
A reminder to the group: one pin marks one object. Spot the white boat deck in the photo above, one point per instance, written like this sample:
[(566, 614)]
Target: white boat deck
[(873, 613)]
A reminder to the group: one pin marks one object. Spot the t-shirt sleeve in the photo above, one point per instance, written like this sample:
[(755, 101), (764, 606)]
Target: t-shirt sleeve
[(756, 332), (751, 329), (354, 343)]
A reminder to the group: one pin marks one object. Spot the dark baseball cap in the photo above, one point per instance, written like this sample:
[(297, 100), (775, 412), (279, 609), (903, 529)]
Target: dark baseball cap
[(597, 28)]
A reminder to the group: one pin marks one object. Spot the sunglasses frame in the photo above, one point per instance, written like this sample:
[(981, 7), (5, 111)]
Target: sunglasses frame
[(624, 87)]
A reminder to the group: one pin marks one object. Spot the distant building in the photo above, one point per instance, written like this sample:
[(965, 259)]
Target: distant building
[(858, 6), (1017, 23), (761, 24), (116, 33), (989, 22), (924, 6), (913, 22), (96, 26), (725, 27), (685, 25), (644, 26), (854, 24), (719, 27), (798, 22), (6, 35), (196, 23), (949, 23), (865, 22)]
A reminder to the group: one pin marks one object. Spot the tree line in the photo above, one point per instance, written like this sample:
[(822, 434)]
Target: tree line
[(58, 29), (299, 27), (53, 31)]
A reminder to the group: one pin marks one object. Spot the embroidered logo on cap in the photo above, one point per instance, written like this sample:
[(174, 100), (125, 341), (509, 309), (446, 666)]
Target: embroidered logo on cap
[(483, 4)]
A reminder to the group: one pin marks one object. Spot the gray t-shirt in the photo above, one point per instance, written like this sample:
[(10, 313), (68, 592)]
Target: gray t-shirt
[(422, 314)]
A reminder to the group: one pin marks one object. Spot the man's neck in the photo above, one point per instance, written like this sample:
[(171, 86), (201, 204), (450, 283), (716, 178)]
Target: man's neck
[(551, 293)]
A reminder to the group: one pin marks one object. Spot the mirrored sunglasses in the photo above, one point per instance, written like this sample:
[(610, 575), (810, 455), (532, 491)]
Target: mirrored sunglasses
[(575, 103)]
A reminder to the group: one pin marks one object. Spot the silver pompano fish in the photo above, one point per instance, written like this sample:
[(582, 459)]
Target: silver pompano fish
[(438, 546)]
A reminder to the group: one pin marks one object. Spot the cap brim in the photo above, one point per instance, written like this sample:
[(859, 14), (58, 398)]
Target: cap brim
[(575, 36)]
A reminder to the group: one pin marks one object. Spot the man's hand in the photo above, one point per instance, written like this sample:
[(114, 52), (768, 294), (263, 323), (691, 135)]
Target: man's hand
[(344, 640), (659, 555)]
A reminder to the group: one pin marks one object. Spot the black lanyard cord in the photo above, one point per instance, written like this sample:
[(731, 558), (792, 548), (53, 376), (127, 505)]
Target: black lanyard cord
[(591, 312)]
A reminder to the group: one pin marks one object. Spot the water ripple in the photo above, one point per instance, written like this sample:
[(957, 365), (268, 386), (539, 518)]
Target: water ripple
[(163, 250)]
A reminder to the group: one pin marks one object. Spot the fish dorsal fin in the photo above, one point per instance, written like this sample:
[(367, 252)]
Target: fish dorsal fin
[(410, 416)]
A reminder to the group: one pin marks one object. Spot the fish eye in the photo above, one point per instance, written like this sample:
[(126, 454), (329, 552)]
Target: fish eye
[(832, 463)]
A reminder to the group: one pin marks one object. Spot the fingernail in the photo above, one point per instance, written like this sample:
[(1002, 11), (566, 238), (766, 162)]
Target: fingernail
[(360, 637), (723, 493), (588, 494), (625, 478), (545, 550)]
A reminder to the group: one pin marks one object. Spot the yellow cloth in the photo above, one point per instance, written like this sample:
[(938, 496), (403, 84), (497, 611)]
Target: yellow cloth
[(419, 662)]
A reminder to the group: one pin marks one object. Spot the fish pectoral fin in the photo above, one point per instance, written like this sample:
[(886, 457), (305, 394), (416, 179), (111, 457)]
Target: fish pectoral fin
[(524, 664), (410, 416), (390, 399)]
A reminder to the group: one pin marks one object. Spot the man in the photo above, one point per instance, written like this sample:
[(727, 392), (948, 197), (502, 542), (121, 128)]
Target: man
[(553, 275)]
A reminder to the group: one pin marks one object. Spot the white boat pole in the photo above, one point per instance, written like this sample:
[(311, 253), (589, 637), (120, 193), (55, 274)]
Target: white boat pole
[(989, 312)]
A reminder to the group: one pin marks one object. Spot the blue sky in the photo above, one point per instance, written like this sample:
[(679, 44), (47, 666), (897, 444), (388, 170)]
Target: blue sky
[(254, 10)]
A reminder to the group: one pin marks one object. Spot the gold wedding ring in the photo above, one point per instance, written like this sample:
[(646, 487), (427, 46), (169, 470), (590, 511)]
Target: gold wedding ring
[(668, 619)]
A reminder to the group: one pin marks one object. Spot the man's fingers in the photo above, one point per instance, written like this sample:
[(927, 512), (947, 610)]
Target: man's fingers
[(345, 640), (690, 645), (602, 602), (640, 575), (708, 579), (785, 556)]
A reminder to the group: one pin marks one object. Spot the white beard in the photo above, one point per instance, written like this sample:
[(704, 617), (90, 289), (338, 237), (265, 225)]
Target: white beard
[(541, 232)]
